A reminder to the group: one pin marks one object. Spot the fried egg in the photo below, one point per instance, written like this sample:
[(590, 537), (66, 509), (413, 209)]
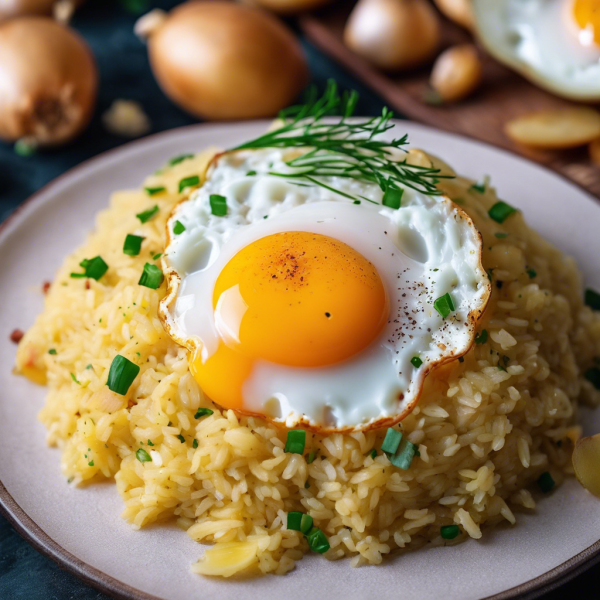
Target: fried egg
[(307, 308), (555, 43)]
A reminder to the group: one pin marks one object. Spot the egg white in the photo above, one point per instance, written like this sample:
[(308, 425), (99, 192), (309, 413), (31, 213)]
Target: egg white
[(423, 250)]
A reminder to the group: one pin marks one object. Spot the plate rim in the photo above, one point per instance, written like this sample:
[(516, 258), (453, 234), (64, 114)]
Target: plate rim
[(31, 532)]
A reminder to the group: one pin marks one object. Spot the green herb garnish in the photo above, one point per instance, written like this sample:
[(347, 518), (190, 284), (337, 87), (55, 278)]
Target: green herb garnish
[(93, 268), (404, 455), (501, 236), (180, 158), (157, 256), (532, 273), (392, 197), (152, 191), (296, 439), (545, 482), (190, 181), (121, 375), (75, 379), (195, 443), (449, 532), (311, 457), (481, 337), (181, 438), (373, 454), (444, 305), (346, 148), (391, 441), (592, 299), (203, 412), (317, 540), (151, 277), (143, 456), (501, 211), (416, 362), (52, 351), (145, 216), (478, 187), (178, 228), (132, 244), (218, 205)]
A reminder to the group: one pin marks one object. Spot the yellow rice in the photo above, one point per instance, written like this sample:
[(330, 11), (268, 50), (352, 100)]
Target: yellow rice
[(484, 433)]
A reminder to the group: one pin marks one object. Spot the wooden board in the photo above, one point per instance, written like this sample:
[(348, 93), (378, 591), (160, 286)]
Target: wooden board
[(503, 95)]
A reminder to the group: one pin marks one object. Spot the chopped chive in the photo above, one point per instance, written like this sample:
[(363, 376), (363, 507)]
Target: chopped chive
[(306, 523), (356, 202), (121, 375), (391, 441), (592, 299), (373, 454), (545, 482), (151, 277), (150, 443), (294, 519), (593, 376), (501, 236), (132, 244), (143, 456), (317, 540), (449, 532), (481, 337), (178, 228), (145, 216), (501, 211), (177, 159), (444, 305), (404, 455), (152, 191), (52, 351), (311, 457), (91, 463), (93, 268), (532, 273), (157, 256), (75, 379), (478, 187), (296, 439), (392, 197), (203, 412), (218, 205), (250, 173), (181, 438), (416, 362), (195, 443), (190, 181), (89, 366)]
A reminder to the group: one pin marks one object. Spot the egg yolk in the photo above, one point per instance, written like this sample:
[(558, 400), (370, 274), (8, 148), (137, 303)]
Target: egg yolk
[(297, 299), (587, 17)]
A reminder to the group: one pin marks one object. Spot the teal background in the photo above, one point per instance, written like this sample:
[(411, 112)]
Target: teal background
[(107, 25)]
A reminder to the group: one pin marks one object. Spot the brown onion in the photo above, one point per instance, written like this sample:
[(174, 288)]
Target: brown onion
[(60, 9), (456, 73), (48, 81), (286, 7), (393, 34), (220, 60)]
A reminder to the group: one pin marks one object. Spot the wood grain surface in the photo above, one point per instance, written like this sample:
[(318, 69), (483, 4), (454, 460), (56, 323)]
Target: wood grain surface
[(502, 95)]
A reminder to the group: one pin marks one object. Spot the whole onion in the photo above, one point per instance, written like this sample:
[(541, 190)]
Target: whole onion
[(286, 7), (220, 60), (60, 9), (48, 81)]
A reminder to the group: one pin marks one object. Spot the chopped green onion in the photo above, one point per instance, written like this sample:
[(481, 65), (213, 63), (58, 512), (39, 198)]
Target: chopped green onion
[(152, 191), (391, 441), (501, 211), (157, 256), (52, 351), (75, 379), (404, 455), (317, 540), (250, 173), (373, 454), (545, 482), (178, 228), (294, 519), (296, 439), (416, 362), (478, 187), (592, 299), (306, 523), (132, 244), (91, 463), (444, 305), (181, 438), (532, 273), (190, 181), (93, 268), (150, 443), (203, 412), (195, 443), (449, 532), (218, 205), (501, 236), (593, 376), (311, 457), (145, 216), (481, 337), (151, 277), (177, 159), (121, 375), (143, 456), (392, 197)]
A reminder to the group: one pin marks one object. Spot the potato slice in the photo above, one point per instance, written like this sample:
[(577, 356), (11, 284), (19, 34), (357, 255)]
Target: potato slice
[(556, 129), (586, 458)]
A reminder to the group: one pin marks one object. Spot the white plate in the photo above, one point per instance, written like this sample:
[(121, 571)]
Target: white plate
[(81, 528)]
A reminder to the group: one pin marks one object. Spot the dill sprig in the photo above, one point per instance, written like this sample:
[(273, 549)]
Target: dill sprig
[(346, 148)]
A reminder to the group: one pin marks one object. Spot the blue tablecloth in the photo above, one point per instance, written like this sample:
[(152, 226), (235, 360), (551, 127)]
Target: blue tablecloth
[(125, 73)]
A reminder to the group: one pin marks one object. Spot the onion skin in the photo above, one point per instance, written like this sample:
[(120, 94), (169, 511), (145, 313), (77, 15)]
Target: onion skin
[(18, 8), (227, 61), (393, 35), (288, 7), (48, 81)]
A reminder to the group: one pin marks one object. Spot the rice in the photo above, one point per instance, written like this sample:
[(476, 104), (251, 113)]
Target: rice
[(486, 428)]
